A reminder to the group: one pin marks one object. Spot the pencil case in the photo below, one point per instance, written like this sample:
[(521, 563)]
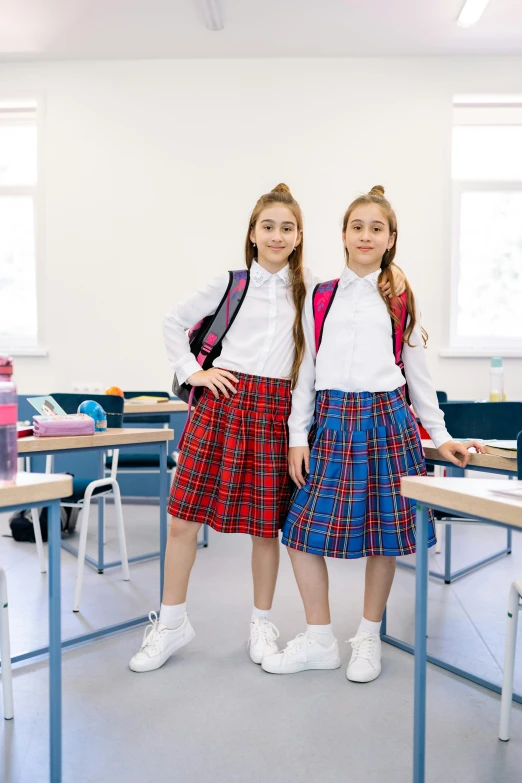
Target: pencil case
[(73, 424)]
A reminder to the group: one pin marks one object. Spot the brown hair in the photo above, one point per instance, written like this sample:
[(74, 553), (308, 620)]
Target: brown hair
[(376, 196), (281, 195)]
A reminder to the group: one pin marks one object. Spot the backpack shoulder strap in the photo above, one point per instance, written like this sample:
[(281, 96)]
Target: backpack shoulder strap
[(322, 299), (223, 318), (398, 305)]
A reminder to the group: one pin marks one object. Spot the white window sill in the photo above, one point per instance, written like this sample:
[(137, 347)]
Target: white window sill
[(38, 350), (480, 353)]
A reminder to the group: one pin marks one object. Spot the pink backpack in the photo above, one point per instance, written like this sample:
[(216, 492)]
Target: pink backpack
[(323, 297)]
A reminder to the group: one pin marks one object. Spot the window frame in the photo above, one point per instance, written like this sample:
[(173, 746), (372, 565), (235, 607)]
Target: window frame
[(17, 345), (476, 346)]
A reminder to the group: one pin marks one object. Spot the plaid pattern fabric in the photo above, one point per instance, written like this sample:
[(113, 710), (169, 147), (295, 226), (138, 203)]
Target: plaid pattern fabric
[(233, 470), (351, 505)]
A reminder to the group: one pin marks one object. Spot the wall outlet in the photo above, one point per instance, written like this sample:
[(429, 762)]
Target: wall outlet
[(88, 388)]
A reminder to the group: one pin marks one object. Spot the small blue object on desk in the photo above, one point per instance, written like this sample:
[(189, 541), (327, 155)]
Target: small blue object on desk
[(96, 412)]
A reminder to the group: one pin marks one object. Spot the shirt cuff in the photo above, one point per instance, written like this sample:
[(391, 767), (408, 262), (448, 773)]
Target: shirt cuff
[(439, 437), (298, 439), (187, 369)]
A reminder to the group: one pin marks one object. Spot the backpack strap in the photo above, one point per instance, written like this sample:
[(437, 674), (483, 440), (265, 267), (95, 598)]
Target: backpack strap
[(226, 312), (398, 306), (322, 299)]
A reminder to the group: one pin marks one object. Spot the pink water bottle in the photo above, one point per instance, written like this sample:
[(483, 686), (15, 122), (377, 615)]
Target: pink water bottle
[(8, 418)]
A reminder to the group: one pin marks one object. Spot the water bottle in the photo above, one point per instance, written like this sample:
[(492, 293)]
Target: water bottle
[(496, 380), (8, 417)]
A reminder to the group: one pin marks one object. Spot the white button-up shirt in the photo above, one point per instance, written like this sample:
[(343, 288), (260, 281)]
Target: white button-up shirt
[(259, 342), (356, 355)]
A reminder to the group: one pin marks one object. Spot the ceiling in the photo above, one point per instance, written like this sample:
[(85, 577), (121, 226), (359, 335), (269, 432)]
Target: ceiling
[(151, 29)]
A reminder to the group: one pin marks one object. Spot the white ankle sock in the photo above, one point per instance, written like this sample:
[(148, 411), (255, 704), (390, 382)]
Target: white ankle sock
[(172, 616), (367, 626), (257, 613), (321, 633)]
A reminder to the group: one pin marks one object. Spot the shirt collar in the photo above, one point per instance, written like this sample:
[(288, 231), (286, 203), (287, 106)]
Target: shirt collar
[(259, 275), (349, 276)]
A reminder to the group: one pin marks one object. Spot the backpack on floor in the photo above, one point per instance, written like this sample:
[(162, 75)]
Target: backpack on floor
[(323, 296), (206, 337), (21, 523)]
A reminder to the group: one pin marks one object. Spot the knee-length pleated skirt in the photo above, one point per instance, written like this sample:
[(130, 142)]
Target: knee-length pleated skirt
[(351, 505), (233, 470)]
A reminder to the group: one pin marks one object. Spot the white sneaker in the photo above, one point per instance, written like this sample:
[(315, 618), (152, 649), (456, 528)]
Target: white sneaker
[(300, 654), (262, 641), (365, 663), (159, 643)]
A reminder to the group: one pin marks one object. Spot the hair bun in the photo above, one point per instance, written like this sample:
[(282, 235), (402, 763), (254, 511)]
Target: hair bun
[(281, 188), (377, 190)]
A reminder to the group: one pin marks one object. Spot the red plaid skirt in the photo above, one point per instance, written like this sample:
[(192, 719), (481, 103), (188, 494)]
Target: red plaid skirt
[(233, 471)]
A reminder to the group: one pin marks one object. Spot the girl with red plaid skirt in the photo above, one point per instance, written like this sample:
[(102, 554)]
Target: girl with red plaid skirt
[(233, 471), (365, 439)]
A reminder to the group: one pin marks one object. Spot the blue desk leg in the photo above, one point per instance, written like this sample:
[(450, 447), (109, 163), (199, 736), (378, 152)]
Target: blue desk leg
[(421, 611), (55, 643), (163, 482)]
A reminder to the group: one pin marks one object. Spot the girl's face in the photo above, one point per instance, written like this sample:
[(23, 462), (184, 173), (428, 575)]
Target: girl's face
[(367, 238), (276, 234)]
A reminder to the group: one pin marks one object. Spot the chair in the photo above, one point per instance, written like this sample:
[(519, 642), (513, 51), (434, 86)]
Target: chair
[(84, 489), (514, 607), (5, 650)]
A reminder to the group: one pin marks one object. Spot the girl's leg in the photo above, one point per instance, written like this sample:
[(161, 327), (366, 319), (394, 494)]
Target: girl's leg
[(173, 630), (179, 559), (365, 663), (265, 565), (380, 571), (311, 576)]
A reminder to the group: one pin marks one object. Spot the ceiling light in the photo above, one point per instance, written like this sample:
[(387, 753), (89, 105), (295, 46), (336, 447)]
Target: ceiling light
[(212, 14), (471, 12)]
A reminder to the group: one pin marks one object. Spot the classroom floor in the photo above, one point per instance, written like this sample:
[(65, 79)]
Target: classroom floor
[(211, 716)]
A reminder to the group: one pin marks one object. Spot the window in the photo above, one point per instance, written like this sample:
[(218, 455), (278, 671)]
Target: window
[(18, 221), (487, 227)]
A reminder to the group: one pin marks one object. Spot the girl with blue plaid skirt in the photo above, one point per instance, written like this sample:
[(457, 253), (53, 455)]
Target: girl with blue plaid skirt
[(363, 440), (233, 473)]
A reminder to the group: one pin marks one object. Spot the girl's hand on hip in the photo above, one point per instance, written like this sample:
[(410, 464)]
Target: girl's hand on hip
[(216, 380), (297, 455), (452, 448)]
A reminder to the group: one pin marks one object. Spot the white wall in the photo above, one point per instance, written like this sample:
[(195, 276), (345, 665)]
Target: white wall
[(152, 168)]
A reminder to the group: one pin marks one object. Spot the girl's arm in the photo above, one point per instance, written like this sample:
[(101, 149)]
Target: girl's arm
[(184, 316), (424, 400), (303, 402)]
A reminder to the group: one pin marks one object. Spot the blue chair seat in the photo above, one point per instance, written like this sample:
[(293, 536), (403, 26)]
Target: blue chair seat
[(80, 488), (137, 461)]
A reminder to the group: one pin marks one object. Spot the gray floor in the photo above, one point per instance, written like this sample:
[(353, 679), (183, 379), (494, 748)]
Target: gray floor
[(211, 716)]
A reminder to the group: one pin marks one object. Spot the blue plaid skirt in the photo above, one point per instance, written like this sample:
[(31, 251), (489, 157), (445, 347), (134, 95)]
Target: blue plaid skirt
[(351, 505)]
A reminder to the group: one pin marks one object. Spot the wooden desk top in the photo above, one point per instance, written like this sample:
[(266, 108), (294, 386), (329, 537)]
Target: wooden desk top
[(476, 460), (112, 438), (174, 406), (35, 487), (466, 496)]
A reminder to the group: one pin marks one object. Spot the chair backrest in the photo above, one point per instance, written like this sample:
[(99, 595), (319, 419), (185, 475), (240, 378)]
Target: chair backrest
[(442, 396), (111, 404), (519, 456), (488, 420), (143, 418)]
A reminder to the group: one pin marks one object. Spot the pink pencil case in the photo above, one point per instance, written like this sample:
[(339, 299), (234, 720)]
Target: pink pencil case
[(74, 424)]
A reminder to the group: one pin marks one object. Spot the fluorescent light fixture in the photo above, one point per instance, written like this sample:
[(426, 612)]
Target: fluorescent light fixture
[(212, 14), (471, 12)]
